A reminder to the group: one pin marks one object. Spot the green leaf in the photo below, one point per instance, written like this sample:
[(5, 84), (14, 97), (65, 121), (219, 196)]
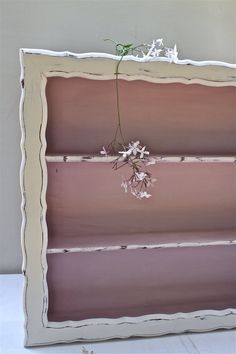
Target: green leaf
[(128, 45)]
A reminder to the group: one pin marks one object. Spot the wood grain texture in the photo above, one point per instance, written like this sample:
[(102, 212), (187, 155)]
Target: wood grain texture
[(37, 66)]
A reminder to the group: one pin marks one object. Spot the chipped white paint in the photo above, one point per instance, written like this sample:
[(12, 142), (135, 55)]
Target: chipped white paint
[(36, 66), (126, 58), (158, 159), (140, 247), (160, 321)]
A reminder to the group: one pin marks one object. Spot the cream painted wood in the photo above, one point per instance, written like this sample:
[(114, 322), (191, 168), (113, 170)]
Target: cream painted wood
[(37, 65), (11, 336), (140, 247), (156, 159)]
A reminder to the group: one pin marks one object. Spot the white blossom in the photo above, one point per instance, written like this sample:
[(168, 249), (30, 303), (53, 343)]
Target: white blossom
[(157, 49), (103, 151), (143, 152), (156, 52), (135, 156), (152, 47), (124, 185), (126, 153), (140, 176), (172, 54), (141, 194), (134, 147), (159, 42), (144, 195)]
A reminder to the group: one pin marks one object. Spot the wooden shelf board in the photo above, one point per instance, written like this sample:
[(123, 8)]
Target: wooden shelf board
[(158, 158), (142, 241)]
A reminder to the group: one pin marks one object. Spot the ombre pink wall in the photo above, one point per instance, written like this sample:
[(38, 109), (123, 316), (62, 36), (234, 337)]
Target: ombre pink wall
[(86, 204), (190, 202), (168, 118), (135, 283)]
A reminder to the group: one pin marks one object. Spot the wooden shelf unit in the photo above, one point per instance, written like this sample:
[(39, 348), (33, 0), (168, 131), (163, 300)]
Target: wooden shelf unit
[(99, 263)]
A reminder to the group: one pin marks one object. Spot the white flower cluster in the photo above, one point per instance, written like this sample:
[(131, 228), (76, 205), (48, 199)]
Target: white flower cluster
[(134, 191), (137, 184), (157, 49), (135, 149), (135, 156)]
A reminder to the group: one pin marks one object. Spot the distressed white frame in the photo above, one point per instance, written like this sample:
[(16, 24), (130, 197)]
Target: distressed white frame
[(36, 66)]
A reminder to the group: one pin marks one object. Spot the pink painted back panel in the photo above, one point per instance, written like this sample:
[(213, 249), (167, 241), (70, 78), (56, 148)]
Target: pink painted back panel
[(134, 283), (86, 205), (168, 118)]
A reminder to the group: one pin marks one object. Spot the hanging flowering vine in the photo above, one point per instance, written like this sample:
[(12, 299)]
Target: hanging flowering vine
[(133, 154)]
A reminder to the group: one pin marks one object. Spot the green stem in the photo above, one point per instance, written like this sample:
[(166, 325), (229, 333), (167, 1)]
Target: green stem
[(119, 129)]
